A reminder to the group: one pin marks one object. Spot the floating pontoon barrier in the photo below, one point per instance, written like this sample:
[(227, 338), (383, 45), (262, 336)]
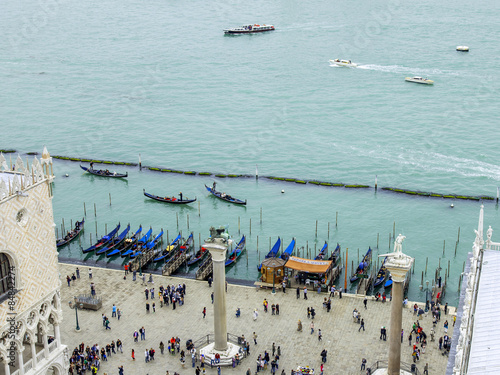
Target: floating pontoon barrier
[(8, 151), (284, 179)]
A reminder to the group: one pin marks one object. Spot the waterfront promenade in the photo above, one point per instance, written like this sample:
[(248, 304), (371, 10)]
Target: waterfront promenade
[(340, 337)]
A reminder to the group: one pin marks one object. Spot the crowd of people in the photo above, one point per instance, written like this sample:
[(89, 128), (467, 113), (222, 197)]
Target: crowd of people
[(88, 358)]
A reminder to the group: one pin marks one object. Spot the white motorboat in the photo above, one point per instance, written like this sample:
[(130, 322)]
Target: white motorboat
[(420, 80), (346, 63), (462, 48), (249, 29)]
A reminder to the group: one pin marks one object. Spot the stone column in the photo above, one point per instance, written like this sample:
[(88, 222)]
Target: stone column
[(218, 252), (33, 353), (6, 366), (398, 278), (45, 345), (20, 360), (57, 335)]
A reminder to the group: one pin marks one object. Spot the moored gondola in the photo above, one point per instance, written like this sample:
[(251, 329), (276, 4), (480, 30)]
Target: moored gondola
[(104, 172), (71, 235), (381, 275), (234, 254), (289, 250), (323, 254), (125, 245), (103, 241), (224, 196), (363, 267), (114, 242), (197, 257), (136, 247), (163, 254), (172, 200)]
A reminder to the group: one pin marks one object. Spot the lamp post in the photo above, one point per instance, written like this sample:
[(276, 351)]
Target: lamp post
[(274, 277), (140, 265), (76, 312)]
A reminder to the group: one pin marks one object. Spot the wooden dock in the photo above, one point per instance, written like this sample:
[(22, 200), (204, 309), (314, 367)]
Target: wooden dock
[(206, 268)]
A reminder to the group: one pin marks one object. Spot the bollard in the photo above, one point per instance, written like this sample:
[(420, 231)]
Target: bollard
[(389, 241), (57, 233), (448, 268), (106, 228), (307, 248), (463, 267), (352, 267), (96, 229), (95, 211), (63, 225), (90, 238), (71, 223), (358, 255), (458, 236), (426, 261), (261, 216), (336, 218), (250, 226), (377, 239), (256, 172), (187, 220), (110, 199), (238, 225), (177, 218), (345, 274), (257, 243), (413, 267), (316, 234), (394, 230), (328, 230), (269, 243), (84, 209), (375, 182), (422, 282), (456, 244), (282, 246), (459, 282), (315, 249), (439, 264), (199, 239), (444, 244), (140, 163)]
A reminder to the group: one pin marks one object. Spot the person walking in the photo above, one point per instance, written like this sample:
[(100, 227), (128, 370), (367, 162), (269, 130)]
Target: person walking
[(146, 355), (118, 313), (204, 312), (107, 324), (77, 273), (277, 309), (254, 338), (133, 355), (362, 325), (113, 311), (363, 364), (305, 292), (162, 347), (340, 293), (298, 293), (90, 273), (312, 327), (320, 337), (365, 301), (426, 369), (323, 355)]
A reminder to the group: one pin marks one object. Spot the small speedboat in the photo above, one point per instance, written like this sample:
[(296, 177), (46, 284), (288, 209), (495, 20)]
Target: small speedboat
[(462, 48), (346, 63), (423, 81), (249, 29)]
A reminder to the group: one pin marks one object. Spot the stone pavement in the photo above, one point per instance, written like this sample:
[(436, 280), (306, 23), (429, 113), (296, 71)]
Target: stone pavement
[(345, 345)]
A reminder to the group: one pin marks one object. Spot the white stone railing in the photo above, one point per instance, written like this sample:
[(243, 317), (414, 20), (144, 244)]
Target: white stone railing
[(52, 346), (40, 356), (15, 372), (28, 365), (492, 246)]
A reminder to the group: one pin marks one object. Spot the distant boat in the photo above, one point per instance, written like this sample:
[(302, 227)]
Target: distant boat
[(249, 29), (381, 275), (70, 236), (423, 81), (104, 172), (346, 63), (335, 256), (388, 283), (114, 242), (172, 200), (103, 241), (323, 253), (273, 253), (462, 48), (225, 197), (363, 266), (234, 255), (289, 250), (198, 256), (125, 245)]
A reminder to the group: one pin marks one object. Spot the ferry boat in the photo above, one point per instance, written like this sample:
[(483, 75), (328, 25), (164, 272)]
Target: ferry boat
[(347, 63), (248, 29), (420, 80)]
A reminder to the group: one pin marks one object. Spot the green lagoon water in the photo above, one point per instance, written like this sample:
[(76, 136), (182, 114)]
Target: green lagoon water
[(115, 79)]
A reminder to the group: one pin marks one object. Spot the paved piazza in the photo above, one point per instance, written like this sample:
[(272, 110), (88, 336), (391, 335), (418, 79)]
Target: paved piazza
[(345, 345)]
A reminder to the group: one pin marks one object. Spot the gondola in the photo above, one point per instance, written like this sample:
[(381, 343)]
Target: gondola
[(289, 250), (104, 172), (363, 266), (381, 275), (225, 197), (153, 243), (273, 253), (70, 236), (103, 241), (197, 257), (323, 253), (125, 245), (388, 283), (233, 256), (172, 200), (335, 256), (138, 245), (166, 252), (114, 242)]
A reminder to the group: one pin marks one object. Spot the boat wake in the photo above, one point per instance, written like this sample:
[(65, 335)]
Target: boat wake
[(399, 69)]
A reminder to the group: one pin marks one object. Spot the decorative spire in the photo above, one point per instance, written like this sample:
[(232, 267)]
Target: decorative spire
[(3, 163), (45, 153)]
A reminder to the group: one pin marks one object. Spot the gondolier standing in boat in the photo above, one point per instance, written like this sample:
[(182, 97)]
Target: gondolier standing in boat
[(213, 187), (180, 195), (91, 165)]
